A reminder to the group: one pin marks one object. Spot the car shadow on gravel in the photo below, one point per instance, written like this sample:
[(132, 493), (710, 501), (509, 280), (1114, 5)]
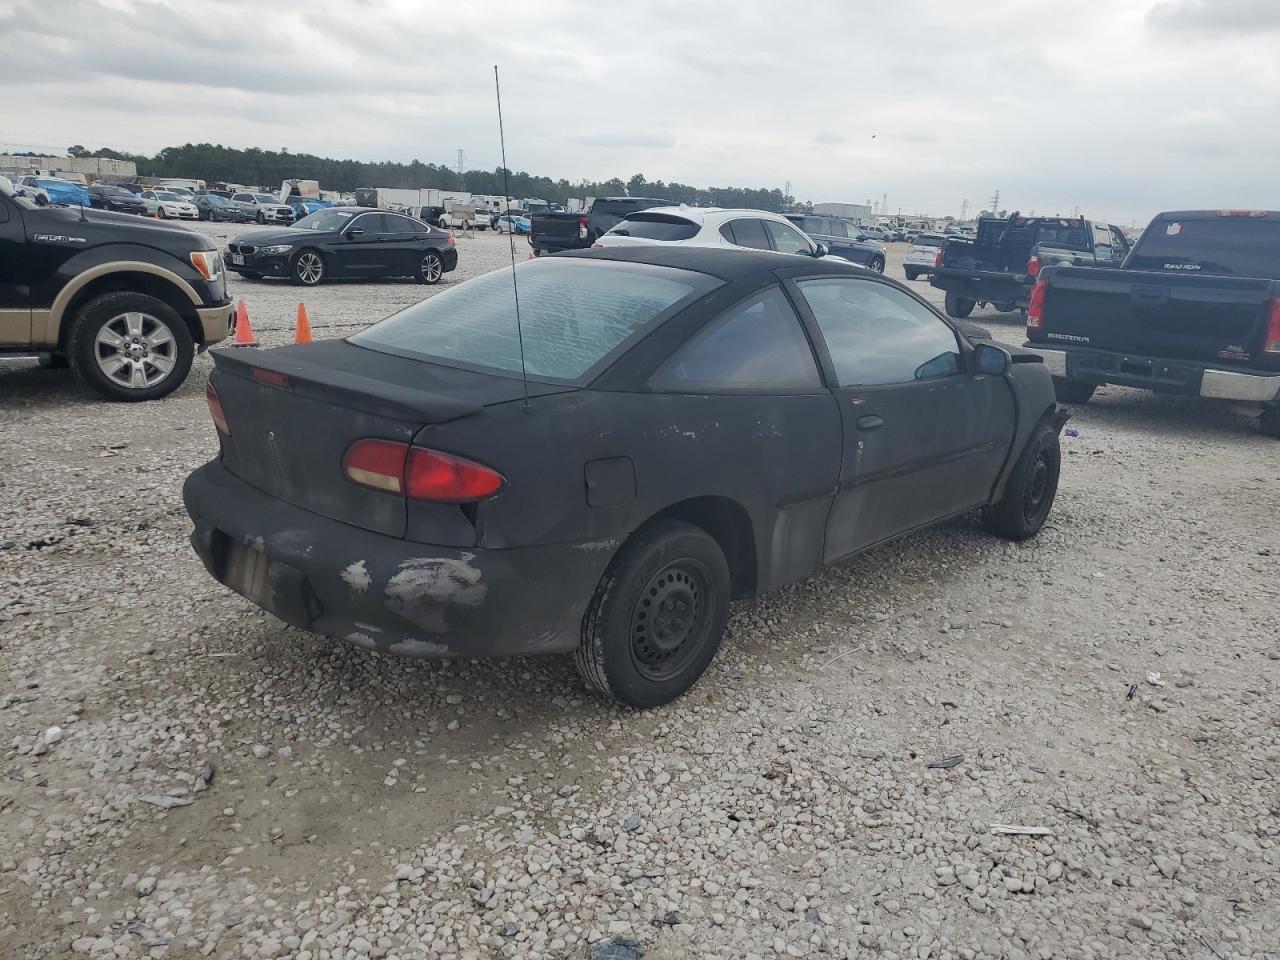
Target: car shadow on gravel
[(27, 387), (1164, 416)]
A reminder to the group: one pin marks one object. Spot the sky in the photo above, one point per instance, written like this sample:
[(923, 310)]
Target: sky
[(1119, 107)]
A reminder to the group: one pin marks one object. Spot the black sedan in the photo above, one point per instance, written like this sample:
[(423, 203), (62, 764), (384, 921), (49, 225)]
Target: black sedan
[(219, 209), (104, 196), (694, 426), (345, 243)]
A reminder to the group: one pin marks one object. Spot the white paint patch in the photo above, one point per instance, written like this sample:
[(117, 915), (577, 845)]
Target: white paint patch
[(423, 587), (258, 544), (595, 546), (357, 577), (361, 640), (420, 648)]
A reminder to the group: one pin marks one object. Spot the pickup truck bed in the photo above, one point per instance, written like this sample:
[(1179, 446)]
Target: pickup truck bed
[(557, 232), (1176, 329)]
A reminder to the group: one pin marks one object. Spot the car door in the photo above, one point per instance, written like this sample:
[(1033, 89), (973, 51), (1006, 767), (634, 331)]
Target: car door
[(924, 438), (404, 245), (15, 290), (743, 411), (361, 252)]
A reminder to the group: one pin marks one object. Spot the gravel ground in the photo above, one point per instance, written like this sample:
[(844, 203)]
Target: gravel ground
[(183, 776)]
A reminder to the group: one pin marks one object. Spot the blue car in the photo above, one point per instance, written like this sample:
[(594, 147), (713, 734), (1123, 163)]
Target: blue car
[(60, 191), (305, 206), (510, 222)]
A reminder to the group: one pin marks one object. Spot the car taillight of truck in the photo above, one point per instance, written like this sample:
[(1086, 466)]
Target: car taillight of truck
[(1035, 309)]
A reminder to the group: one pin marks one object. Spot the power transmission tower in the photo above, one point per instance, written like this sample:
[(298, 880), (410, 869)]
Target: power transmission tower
[(964, 208), (995, 204), (461, 160)]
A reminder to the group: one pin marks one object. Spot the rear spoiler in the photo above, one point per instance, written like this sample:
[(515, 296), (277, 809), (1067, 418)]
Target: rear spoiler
[(329, 384)]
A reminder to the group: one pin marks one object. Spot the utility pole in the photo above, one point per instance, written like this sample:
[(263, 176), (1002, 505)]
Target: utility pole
[(995, 203), (461, 160), (786, 193), (884, 205)]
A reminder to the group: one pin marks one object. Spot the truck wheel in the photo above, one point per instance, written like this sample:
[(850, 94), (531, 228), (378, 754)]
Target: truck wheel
[(307, 269), (1269, 423), (658, 615), (130, 346), (431, 269), (1007, 306), (1029, 493), (1073, 391), (912, 274), (957, 306)]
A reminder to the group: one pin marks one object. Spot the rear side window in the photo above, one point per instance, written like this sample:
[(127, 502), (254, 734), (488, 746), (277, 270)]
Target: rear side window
[(1231, 246), (755, 345), (656, 226), (927, 240), (746, 233), (573, 313)]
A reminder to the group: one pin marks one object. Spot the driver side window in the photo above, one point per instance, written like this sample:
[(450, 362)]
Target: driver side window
[(877, 334), (787, 239)]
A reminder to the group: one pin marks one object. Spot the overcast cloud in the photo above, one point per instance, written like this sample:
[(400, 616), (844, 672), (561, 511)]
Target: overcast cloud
[(1123, 107)]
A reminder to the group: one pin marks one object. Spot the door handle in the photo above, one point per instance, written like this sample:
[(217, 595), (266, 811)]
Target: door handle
[(871, 422)]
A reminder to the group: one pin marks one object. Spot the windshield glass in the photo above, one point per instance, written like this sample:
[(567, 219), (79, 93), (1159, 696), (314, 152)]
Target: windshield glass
[(324, 220), (573, 314), (116, 192), (166, 195), (1231, 246), (266, 198)]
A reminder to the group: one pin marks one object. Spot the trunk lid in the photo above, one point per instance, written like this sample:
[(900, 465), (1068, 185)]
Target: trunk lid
[(294, 411)]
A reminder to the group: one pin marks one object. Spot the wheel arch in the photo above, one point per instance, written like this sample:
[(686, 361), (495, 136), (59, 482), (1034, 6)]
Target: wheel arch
[(126, 277), (727, 522)]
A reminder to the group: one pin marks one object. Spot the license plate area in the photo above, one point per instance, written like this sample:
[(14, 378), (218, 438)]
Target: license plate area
[(247, 572), (237, 259)]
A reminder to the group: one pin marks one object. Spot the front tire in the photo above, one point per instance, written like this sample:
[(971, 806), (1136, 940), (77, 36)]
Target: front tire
[(163, 215), (1028, 496), (657, 616), (307, 269), (957, 306), (130, 346), (1072, 391), (261, 218), (431, 269)]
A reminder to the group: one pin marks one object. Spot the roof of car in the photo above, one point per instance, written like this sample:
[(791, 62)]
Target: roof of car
[(718, 262)]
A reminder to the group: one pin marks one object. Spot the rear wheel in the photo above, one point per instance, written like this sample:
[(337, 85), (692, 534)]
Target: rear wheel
[(1032, 486), (912, 274), (1269, 423), (657, 616), (957, 306), (431, 269), (1073, 391), (1006, 306), (131, 346)]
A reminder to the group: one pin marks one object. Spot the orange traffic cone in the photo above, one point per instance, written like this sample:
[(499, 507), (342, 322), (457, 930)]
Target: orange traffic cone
[(244, 332), (302, 329)]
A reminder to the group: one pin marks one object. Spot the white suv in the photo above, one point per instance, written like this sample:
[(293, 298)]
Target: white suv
[(711, 227)]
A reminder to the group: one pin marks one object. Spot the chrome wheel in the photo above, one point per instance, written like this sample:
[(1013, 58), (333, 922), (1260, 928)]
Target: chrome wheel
[(135, 350), (309, 268), (432, 268)]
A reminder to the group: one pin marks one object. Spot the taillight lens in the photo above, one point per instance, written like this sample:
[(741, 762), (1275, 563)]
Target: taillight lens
[(937, 260), (1035, 309), (419, 473), (215, 410), (1271, 343), (1033, 266), (452, 241), (582, 227)]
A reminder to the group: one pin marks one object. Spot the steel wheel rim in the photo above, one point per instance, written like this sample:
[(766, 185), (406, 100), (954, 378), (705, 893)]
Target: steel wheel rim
[(669, 616), (135, 350), (1036, 496), (432, 267), (310, 268)]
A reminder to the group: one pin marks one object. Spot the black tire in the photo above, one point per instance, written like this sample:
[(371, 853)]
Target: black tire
[(876, 264), (1032, 486), (1269, 423), (957, 306), (307, 268), (162, 214), (657, 616), (431, 269), (911, 274), (1073, 391), (89, 358), (1007, 306), (261, 218)]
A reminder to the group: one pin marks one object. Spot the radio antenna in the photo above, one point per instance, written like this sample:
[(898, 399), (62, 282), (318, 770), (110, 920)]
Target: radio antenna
[(511, 238)]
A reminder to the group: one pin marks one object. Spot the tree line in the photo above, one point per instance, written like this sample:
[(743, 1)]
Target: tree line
[(256, 167)]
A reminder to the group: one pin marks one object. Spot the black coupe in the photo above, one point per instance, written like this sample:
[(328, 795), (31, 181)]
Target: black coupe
[(345, 243), (695, 426)]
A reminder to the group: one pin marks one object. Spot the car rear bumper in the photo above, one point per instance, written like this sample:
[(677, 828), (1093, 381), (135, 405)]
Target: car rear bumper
[(385, 593), (1160, 375)]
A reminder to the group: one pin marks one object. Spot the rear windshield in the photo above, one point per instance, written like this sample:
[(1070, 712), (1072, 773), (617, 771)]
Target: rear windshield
[(1239, 246), (927, 240), (573, 314), (656, 226)]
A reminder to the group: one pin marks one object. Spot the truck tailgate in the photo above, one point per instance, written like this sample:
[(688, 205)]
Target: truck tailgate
[(562, 227), (1151, 313)]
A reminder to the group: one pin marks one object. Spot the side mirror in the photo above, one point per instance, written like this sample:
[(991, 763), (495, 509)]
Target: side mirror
[(988, 358), (821, 250), (355, 233)]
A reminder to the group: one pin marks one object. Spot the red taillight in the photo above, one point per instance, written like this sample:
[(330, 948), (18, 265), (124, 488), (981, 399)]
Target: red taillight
[(937, 259), (452, 241), (215, 410), (1035, 309), (1033, 266), (583, 222), (1271, 343), (419, 473)]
